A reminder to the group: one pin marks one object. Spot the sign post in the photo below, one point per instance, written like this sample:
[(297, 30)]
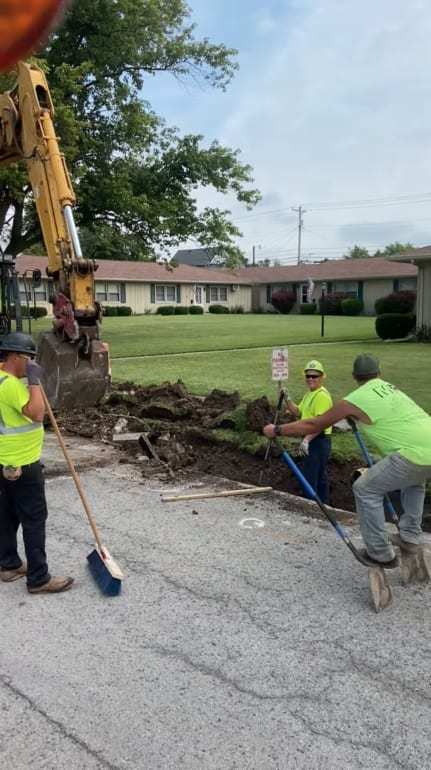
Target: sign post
[(322, 311), (280, 366)]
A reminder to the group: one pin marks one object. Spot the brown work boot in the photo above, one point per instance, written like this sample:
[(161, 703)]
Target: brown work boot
[(54, 586), (9, 575), (403, 544)]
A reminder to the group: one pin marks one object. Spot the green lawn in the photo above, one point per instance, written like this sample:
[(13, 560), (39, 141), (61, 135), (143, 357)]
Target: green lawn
[(249, 371), (236, 354), (153, 335)]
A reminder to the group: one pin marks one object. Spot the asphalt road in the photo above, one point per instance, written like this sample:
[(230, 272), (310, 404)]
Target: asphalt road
[(243, 639)]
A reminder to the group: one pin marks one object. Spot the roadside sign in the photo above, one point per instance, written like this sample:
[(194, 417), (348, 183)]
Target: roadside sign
[(280, 364)]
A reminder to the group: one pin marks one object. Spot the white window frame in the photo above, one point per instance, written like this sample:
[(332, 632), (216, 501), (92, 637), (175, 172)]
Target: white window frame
[(304, 293), (218, 294), (162, 291), (109, 291), (407, 284), (352, 290)]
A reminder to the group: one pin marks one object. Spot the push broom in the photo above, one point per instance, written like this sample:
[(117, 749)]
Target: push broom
[(104, 569)]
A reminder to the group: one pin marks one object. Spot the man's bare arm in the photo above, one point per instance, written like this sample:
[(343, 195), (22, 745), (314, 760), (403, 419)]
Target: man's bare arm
[(341, 410)]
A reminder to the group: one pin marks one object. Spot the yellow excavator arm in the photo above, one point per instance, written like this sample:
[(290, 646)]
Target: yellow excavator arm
[(75, 361)]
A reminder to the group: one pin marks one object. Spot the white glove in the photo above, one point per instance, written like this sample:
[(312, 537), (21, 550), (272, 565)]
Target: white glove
[(303, 447)]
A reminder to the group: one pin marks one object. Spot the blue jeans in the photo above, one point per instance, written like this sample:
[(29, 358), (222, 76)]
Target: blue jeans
[(314, 467)]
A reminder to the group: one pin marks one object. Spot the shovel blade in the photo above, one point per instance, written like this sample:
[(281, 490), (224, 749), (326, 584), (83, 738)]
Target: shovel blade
[(380, 590)]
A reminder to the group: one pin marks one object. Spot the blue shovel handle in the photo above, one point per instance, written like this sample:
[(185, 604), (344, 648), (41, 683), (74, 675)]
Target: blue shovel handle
[(369, 460), (329, 515)]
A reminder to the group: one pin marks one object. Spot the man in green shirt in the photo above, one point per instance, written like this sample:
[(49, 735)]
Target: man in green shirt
[(22, 492), (401, 431)]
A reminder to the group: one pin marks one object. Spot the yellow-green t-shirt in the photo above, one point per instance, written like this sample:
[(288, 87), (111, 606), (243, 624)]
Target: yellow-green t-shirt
[(21, 439), (397, 423), (315, 402)]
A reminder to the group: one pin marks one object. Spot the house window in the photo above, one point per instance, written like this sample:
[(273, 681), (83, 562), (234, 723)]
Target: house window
[(30, 293), (101, 294), (304, 293), (407, 284), (166, 293), (113, 292), (110, 292), (218, 293), (349, 288)]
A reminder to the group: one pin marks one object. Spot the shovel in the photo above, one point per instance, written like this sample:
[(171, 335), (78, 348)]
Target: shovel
[(380, 590), (281, 398)]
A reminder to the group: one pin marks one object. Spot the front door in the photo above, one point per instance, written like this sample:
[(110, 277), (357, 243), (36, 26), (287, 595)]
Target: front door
[(200, 295)]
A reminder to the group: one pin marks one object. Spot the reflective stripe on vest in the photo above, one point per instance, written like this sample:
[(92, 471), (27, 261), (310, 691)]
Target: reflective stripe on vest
[(5, 431)]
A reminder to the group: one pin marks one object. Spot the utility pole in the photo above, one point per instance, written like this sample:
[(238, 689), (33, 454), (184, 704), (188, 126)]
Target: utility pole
[(254, 256), (300, 211)]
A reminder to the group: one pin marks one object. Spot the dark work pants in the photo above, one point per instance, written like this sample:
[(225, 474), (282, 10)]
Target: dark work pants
[(23, 502), (314, 467)]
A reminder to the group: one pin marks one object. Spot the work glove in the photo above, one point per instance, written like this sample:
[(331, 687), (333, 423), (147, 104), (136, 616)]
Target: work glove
[(303, 448), (34, 373)]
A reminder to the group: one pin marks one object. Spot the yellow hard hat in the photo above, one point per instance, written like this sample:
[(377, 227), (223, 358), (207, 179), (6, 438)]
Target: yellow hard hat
[(315, 365)]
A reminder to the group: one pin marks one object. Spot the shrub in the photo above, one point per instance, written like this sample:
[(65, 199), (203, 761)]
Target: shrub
[(109, 310), (181, 310), (351, 306), (196, 310), (166, 310), (237, 309), (330, 304), (397, 302), (218, 309), (307, 308), (283, 300), (38, 312), (393, 326), (35, 312), (124, 310)]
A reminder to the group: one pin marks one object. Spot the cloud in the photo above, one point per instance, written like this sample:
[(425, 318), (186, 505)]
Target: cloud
[(336, 107)]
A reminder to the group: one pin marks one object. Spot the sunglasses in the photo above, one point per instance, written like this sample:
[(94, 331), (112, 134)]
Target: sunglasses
[(312, 376)]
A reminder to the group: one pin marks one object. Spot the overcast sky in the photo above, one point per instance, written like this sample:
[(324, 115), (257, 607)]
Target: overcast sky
[(331, 106)]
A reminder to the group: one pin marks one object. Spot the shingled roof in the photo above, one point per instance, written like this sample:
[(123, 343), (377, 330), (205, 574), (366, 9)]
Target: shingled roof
[(148, 272), (332, 270)]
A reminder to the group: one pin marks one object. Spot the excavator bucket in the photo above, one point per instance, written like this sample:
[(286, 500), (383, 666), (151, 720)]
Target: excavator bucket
[(72, 380)]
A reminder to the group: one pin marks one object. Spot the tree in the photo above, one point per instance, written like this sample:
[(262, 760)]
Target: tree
[(136, 178), (396, 248), (357, 252)]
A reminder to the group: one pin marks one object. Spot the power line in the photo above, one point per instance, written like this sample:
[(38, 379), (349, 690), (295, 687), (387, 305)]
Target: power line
[(348, 204)]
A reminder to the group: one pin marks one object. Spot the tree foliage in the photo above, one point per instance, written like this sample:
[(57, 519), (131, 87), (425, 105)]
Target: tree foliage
[(136, 178), (360, 252)]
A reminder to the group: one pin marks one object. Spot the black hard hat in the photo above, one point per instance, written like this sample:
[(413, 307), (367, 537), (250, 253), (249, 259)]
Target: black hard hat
[(17, 342)]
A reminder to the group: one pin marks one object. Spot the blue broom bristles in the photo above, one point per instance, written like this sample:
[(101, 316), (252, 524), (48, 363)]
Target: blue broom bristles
[(109, 585)]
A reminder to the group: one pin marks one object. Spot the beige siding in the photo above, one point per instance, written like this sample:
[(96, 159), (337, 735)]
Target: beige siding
[(375, 289), (424, 295)]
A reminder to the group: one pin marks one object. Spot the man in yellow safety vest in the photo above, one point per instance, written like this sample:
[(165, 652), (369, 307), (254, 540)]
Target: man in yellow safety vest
[(22, 489)]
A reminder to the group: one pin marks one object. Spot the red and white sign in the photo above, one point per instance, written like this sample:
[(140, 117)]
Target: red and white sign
[(280, 364)]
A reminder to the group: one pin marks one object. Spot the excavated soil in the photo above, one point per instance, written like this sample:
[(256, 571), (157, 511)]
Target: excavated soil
[(170, 432)]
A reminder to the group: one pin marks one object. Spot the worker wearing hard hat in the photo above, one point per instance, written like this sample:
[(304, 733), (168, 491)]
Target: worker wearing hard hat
[(315, 446), (401, 431)]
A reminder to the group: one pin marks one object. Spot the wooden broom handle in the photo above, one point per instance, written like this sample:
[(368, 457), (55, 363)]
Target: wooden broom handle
[(72, 469)]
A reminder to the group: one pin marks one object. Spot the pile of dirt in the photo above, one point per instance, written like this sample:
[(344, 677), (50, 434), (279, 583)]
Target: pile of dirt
[(170, 432)]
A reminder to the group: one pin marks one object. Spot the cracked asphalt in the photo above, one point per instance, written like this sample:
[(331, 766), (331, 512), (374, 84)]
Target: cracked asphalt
[(243, 639)]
